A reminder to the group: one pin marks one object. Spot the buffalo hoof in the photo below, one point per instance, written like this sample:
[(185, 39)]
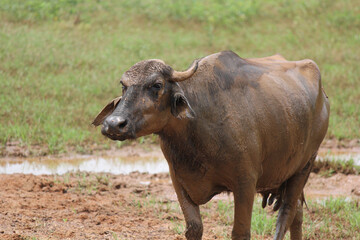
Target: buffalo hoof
[(194, 231)]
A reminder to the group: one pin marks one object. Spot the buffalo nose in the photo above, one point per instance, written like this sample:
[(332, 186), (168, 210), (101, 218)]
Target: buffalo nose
[(117, 122), (114, 124)]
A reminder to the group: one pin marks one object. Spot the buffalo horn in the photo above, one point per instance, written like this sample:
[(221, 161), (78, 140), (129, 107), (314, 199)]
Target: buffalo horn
[(181, 76)]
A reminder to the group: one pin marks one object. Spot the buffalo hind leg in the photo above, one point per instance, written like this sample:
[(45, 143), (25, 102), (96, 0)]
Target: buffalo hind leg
[(296, 226), (290, 211)]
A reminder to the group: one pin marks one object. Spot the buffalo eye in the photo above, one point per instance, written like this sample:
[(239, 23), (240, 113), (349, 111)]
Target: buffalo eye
[(123, 88), (156, 87)]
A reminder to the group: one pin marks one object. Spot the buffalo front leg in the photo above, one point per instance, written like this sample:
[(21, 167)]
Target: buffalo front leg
[(191, 211), (243, 200)]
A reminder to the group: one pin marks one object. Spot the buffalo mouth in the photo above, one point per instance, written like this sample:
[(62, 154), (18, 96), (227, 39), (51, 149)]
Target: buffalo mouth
[(120, 136)]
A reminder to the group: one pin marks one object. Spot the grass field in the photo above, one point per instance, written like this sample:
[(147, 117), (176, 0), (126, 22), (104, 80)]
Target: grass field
[(60, 61)]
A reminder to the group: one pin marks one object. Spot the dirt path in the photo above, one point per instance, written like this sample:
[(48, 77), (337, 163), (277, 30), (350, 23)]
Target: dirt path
[(104, 206)]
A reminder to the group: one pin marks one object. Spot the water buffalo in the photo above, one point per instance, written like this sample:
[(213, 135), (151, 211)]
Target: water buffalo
[(228, 124)]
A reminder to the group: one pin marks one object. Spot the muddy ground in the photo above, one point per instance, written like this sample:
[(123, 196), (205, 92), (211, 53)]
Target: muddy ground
[(106, 206)]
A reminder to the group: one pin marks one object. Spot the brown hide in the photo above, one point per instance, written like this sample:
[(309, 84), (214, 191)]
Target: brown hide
[(240, 125), (268, 111), (258, 124)]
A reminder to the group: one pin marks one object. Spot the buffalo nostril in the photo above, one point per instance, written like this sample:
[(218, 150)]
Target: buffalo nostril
[(105, 128), (117, 122), (122, 124)]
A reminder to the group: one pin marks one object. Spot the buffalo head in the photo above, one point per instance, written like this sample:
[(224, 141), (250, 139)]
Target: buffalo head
[(150, 97)]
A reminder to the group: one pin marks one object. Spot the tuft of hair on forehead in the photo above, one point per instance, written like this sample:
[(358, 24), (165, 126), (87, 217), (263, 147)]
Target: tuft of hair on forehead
[(146, 68)]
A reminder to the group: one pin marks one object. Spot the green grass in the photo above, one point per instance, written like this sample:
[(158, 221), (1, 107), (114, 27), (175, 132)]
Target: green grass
[(60, 61), (329, 166), (332, 218)]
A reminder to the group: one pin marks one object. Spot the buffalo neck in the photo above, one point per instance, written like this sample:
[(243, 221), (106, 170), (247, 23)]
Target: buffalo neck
[(180, 146), (175, 131)]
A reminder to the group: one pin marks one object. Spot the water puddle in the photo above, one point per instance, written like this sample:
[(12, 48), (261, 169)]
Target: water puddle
[(119, 165), (345, 157), (114, 165)]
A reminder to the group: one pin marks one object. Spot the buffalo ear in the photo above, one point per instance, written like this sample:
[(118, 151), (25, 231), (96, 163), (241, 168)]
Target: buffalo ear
[(180, 106), (106, 111)]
